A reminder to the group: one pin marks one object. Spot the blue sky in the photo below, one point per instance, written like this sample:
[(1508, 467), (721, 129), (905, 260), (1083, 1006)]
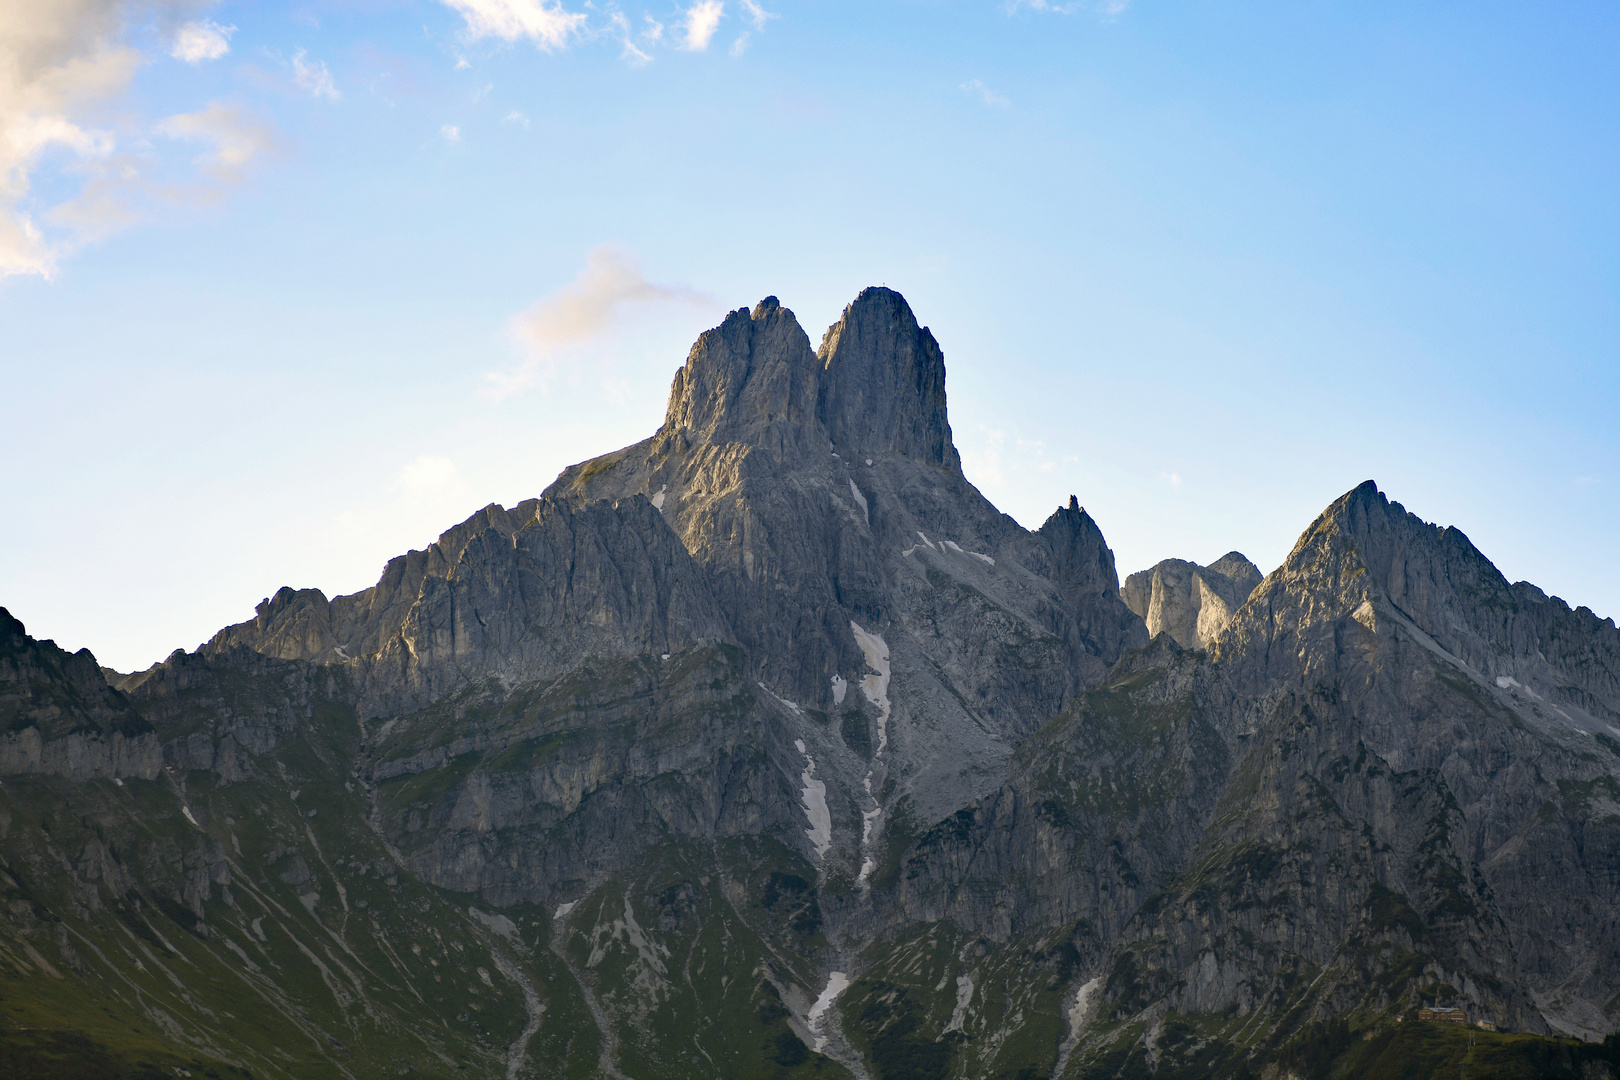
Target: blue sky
[(291, 288)]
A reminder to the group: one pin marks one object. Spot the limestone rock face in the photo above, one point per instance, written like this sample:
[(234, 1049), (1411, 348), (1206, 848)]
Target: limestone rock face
[(883, 383), (59, 717), (768, 741), (1191, 603)]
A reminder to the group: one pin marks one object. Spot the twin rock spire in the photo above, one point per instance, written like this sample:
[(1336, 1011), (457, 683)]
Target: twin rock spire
[(876, 385)]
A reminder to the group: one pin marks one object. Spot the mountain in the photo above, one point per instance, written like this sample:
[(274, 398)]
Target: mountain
[(1191, 603), (768, 747)]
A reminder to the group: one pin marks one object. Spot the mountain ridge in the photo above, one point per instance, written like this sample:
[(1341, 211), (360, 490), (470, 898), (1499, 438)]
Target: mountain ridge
[(768, 745)]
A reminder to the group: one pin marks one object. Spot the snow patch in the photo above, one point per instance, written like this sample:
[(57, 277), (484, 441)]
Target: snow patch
[(814, 794), (987, 560), (782, 700), (964, 994), (1077, 1019), (876, 688), (1505, 681), (1082, 1003), (876, 685), (658, 499), (855, 491), (186, 810), (120, 783), (841, 687), (564, 909), (837, 983)]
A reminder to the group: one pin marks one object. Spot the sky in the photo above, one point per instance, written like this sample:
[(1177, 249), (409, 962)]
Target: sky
[(287, 289)]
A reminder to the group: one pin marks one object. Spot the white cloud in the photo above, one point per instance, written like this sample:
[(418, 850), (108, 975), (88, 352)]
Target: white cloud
[(515, 117), (975, 88), (428, 475), (579, 312), (545, 22), (757, 15), (201, 40), (1108, 9), (58, 61), (699, 23), (239, 139), (1173, 479), (450, 133), (313, 79), (62, 61), (635, 56), (740, 46), (654, 31)]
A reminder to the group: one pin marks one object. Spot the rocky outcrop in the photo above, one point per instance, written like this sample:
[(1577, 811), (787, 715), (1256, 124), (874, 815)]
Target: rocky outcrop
[(769, 740), (1344, 786), (883, 383), (58, 716), (1191, 603)]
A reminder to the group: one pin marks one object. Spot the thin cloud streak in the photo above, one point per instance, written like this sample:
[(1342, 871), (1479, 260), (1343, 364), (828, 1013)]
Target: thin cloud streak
[(581, 311), (313, 79), (758, 15), (545, 22), (976, 88), (1107, 9), (238, 139)]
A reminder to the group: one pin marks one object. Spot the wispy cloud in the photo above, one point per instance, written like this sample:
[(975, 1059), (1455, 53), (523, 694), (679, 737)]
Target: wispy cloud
[(1106, 9), (756, 14), (428, 475), (313, 79), (57, 63), (699, 22), (739, 46), (579, 312), (630, 52), (517, 118), (237, 139), (201, 40), (61, 63), (450, 133), (976, 88), (545, 22)]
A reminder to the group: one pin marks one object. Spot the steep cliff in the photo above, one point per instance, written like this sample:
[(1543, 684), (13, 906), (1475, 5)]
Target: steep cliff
[(1191, 603), (767, 746)]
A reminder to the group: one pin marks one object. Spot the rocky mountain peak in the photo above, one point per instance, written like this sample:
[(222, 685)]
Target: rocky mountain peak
[(750, 379), (1368, 560), (883, 383), (1191, 603), (876, 386)]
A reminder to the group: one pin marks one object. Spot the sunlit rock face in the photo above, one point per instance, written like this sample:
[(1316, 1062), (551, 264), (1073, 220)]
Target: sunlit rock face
[(1191, 603), (767, 746)]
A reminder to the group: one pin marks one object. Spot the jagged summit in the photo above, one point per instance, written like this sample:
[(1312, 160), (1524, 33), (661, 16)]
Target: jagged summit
[(752, 379), (773, 719), (1191, 603), (883, 382), (876, 386), (1367, 554)]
